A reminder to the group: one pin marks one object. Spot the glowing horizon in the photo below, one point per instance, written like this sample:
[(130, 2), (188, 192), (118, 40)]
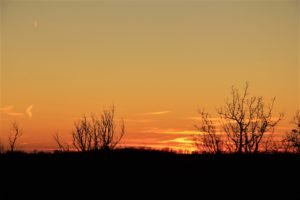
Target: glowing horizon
[(157, 61)]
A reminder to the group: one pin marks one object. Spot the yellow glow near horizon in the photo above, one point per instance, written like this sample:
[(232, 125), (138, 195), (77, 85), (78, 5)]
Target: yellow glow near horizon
[(157, 61)]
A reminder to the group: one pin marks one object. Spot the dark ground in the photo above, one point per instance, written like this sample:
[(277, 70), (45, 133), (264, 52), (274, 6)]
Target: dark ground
[(129, 172)]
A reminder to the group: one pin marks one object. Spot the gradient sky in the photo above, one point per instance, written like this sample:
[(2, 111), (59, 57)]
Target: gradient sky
[(157, 61)]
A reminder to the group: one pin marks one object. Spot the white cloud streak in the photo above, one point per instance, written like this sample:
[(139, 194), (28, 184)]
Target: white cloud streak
[(6, 108), (157, 113), (140, 120), (9, 110), (171, 131), (16, 114)]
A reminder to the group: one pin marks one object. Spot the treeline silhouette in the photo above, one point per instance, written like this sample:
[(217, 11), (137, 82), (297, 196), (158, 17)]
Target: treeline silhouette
[(137, 172)]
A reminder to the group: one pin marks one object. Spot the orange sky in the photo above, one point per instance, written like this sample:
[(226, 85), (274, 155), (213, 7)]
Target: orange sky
[(157, 61)]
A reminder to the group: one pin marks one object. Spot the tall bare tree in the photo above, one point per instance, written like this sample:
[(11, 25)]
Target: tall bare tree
[(98, 132), (246, 119), (208, 140), (14, 136), (291, 141)]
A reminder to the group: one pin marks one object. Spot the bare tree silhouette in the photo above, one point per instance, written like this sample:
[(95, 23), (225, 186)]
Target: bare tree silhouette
[(98, 133), (15, 135), (63, 146), (291, 141), (108, 136), (246, 119), (269, 144), (208, 140), (82, 137)]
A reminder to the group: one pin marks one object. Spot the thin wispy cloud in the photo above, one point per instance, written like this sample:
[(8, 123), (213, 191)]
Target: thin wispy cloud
[(157, 113), (200, 118), (29, 111), (35, 23), (180, 143), (140, 120), (15, 114), (184, 140), (9, 110), (183, 132), (171, 131), (6, 108)]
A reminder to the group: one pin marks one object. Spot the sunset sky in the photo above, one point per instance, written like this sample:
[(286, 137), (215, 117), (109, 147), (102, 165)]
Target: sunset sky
[(156, 61)]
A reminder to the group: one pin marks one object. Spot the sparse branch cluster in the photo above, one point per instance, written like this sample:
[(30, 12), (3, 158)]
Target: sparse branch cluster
[(291, 141), (15, 135), (244, 120), (97, 132), (208, 140), (63, 146)]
